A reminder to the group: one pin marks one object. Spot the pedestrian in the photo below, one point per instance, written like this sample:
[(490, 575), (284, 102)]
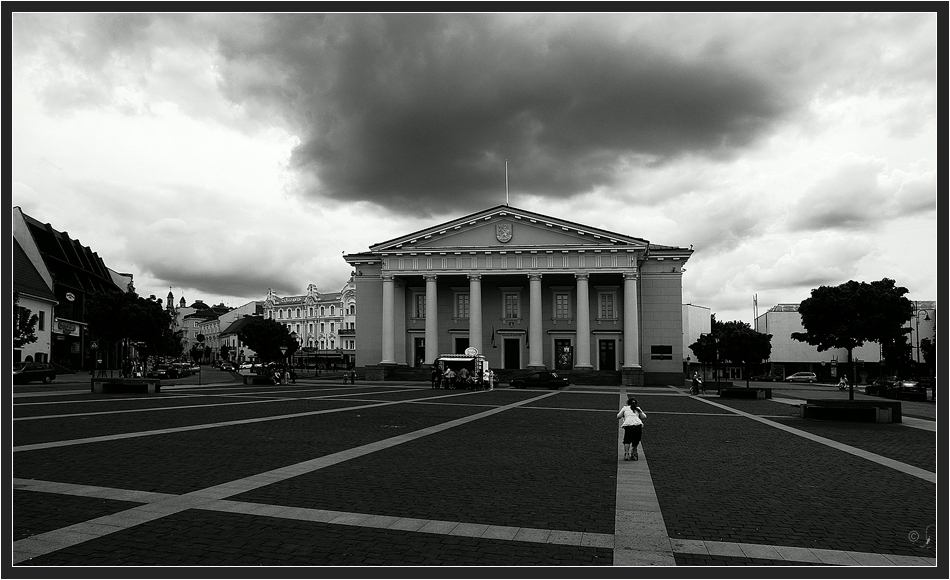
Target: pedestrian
[(843, 383), (631, 419), (694, 390), (436, 377), (449, 378)]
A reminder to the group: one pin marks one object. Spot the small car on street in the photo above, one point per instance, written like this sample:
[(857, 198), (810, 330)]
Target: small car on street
[(906, 390), (228, 366), (163, 371), (183, 369), (767, 377), (25, 372), (548, 379), (878, 386), (802, 378)]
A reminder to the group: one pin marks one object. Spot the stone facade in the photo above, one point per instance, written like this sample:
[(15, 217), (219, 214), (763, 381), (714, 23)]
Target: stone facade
[(528, 291)]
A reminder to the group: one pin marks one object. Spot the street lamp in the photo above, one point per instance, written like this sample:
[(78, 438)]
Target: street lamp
[(293, 336), (917, 312)]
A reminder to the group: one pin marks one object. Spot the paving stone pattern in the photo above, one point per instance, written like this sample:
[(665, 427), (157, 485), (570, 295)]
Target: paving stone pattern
[(542, 466)]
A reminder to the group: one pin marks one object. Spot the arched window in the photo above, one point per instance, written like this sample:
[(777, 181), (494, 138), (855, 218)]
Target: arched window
[(298, 313), (323, 311), (331, 311), (280, 313)]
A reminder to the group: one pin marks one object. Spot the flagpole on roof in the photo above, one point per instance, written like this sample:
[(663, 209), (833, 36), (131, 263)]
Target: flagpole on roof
[(506, 182)]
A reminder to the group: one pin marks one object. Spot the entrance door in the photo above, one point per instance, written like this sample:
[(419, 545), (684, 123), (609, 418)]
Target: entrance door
[(419, 350), (608, 355), (460, 345), (563, 354), (512, 353)]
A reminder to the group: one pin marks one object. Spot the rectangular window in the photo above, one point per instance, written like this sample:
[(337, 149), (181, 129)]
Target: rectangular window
[(607, 306), (461, 305), (661, 352), (511, 305), (419, 305), (41, 324), (562, 305)]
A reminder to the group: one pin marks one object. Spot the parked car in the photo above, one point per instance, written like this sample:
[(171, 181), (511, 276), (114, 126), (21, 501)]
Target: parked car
[(228, 366), (163, 372), (547, 379), (768, 377), (802, 378), (25, 372), (879, 386), (906, 390), (195, 368), (246, 366), (184, 369)]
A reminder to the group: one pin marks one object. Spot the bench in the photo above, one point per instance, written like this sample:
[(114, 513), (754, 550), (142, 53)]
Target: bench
[(745, 393), (104, 384), (864, 411)]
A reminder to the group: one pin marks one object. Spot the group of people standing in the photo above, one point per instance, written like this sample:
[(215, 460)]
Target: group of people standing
[(463, 379)]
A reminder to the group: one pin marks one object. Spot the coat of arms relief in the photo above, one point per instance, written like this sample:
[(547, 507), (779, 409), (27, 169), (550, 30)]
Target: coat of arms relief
[(503, 232)]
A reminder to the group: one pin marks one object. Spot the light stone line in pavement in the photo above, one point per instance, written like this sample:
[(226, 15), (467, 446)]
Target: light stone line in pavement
[(52, 541), (258, 401), (640, 536), (885, 461), (797, 554), (100, 439), (536, 535)]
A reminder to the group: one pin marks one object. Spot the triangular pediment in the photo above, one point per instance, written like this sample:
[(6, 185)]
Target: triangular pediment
[(508, 228)]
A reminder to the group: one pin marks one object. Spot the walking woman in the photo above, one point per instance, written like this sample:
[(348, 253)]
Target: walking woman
[(631, 417)]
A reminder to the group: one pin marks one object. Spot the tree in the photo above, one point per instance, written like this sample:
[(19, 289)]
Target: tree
[(265, 337), (226, 352), (741, 345), (853, 313), (24, 323), (114, 317), (735, 342)]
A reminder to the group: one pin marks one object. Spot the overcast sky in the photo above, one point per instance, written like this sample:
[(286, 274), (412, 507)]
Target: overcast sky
[(222, 155)]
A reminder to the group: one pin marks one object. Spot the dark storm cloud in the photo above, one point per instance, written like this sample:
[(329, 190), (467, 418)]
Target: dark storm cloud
[(418, 113)]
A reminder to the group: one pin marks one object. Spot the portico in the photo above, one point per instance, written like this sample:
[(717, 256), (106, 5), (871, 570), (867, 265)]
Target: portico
[(528, 291)]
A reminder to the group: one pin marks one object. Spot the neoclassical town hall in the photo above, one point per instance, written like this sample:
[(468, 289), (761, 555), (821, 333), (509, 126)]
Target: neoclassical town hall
[(528, 291)]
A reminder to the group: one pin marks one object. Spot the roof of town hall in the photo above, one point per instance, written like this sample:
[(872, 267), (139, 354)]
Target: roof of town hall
[(505, 209)]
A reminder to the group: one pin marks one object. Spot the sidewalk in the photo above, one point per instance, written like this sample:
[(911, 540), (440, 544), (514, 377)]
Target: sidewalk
[(399, 474)]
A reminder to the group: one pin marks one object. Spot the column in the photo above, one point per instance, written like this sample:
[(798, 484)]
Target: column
[(582, 349), (536, 346), (388, 328), (432, 319), (631, 325), (475, 311)]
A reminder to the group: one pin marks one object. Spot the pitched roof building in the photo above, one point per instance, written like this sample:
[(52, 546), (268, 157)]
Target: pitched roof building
[(528, 291)]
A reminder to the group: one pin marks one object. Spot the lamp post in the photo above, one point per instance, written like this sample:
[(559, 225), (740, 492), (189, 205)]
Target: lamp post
[(293, 336), (716, 370), (917, 312)]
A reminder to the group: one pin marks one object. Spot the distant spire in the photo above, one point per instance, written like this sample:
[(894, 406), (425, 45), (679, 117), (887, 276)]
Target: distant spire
[(506, 181)]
